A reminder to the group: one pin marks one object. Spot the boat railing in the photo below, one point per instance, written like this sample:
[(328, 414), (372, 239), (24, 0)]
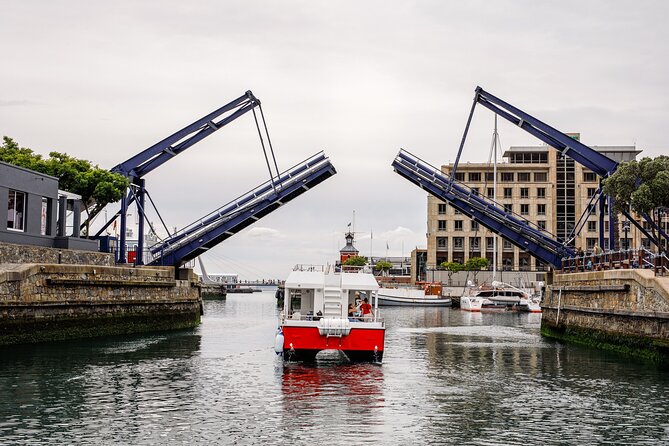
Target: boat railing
[(309, 268), (297, 316)]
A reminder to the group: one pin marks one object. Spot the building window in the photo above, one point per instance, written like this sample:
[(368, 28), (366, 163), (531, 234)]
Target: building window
[(541, 209), (457, 225), (44, 217), (475, 177), (524, 209), (507, 245), (592, 209), (590, 243), (475, 225), (507, 177), (523, 177), (508, 192), (490, 176), (475, 190), (459, 176), (441, 225), (591, 192), (540, 177), (16, 211), (524, 192), (541, 192), (541, 224), (474, 244), (592, 226), (458, 243), (508, 207), (442, 242), (441, 208), (589, 177), (489, 243), (491, 192)]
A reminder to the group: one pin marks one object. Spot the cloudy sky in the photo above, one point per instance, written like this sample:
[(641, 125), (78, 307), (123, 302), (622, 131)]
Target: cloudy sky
[(360, 80)]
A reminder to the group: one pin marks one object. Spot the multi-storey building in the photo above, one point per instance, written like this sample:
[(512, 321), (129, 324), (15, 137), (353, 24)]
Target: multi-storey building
[(539, 185)]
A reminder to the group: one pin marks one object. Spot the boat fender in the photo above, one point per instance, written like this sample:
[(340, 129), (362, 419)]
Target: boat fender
[(278, 343)]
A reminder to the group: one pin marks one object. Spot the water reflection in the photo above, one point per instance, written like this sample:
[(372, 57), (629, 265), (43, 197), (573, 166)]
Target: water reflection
[(340, 398), (46, 387), (448, 377)]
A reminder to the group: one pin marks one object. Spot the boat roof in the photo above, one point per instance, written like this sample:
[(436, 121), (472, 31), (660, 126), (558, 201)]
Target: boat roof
[(319, 279)]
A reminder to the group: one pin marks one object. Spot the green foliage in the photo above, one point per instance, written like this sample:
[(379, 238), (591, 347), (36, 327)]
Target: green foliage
[(383, 265), (476, 263), (452, 267), (96, 186), (642, 185), (356, 261)]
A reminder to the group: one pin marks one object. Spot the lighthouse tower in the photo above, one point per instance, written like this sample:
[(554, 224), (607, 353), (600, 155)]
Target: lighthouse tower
[(348, 250)]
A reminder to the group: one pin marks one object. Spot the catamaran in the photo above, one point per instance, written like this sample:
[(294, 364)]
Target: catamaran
[(315, 314)]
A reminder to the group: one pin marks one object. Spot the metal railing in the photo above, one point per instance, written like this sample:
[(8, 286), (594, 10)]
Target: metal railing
[(621, 259)]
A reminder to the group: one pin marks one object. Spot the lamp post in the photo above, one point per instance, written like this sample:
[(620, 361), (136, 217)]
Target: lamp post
[(626, 228)]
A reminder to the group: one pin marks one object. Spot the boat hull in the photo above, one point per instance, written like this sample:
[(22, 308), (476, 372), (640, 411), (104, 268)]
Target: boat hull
[(415, 302), (361, 344), (408, 297)]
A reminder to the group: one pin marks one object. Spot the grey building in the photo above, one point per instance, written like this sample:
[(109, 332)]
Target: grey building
[(36, 211)]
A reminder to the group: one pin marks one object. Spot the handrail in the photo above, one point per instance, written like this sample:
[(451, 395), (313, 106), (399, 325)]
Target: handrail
[(623, 258)]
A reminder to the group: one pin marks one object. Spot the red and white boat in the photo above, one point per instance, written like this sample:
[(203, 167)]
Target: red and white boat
[(315, 314)]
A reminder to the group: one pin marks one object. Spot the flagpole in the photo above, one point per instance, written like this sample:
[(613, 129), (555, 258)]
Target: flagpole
[(371, 246)]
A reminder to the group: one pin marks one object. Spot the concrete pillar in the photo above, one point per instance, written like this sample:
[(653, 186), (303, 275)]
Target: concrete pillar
[(76, 218), (62, 213)]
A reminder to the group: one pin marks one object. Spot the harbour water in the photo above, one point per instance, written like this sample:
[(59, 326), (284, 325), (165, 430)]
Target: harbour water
[(448, 377)]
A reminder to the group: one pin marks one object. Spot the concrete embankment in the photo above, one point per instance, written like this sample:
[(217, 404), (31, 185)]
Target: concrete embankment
[(625, 310), (50, 301)]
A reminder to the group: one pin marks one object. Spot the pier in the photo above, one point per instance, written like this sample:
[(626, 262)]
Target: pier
[(622, 310), (49, 301)]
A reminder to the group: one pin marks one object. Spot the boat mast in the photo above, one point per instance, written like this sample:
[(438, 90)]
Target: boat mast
[(494, 188)]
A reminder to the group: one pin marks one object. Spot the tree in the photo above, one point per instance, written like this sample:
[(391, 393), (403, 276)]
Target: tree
[(97, 187), (383, 266), (356, 261), (475, 265), (451, 268), (642, 186)]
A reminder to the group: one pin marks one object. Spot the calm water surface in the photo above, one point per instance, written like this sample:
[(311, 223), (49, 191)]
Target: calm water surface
[(448, 377)]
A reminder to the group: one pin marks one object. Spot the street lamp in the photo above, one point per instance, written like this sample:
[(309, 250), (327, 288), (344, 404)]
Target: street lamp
[(626, 228)]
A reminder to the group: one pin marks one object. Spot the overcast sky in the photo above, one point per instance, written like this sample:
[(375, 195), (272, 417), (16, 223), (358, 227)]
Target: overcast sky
[(360, 80)]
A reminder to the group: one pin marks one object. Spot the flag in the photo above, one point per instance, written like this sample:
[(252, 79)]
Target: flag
[(349, 225), (387, 247)]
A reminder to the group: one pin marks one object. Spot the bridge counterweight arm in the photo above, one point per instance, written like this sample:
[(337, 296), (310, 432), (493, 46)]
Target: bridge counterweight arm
[(156, 155), (602, 165)]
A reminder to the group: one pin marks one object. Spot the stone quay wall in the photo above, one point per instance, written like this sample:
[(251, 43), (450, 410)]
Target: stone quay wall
[(626, 311), (13, 253), (45, 302)]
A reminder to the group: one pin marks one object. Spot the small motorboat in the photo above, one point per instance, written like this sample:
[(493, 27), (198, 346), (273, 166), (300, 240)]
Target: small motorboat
[(422, 295)]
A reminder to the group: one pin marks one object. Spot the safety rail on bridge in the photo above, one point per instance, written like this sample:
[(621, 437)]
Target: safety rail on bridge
[(621, 259)]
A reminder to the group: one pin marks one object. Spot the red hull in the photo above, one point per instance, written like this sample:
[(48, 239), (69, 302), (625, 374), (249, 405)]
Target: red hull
[(360, 343)]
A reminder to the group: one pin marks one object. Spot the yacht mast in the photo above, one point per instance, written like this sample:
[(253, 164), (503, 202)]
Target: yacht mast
[(494, 186)]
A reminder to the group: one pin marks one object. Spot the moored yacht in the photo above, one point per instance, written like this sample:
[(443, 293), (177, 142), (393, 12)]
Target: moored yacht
[(422, 295), (315, 314), (500, 296)]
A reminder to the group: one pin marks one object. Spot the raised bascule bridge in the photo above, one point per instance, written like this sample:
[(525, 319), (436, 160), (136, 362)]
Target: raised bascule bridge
[(614, 308), (184, 245)]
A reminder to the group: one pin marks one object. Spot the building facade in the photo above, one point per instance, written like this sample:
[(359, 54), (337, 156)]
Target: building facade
[(37, 211), (538, 185)]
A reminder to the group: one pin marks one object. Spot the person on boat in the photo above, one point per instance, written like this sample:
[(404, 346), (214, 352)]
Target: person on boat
[(352, 312), (366, 308)]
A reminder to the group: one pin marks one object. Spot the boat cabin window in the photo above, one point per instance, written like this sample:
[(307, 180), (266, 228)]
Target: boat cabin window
[(301, 301)]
